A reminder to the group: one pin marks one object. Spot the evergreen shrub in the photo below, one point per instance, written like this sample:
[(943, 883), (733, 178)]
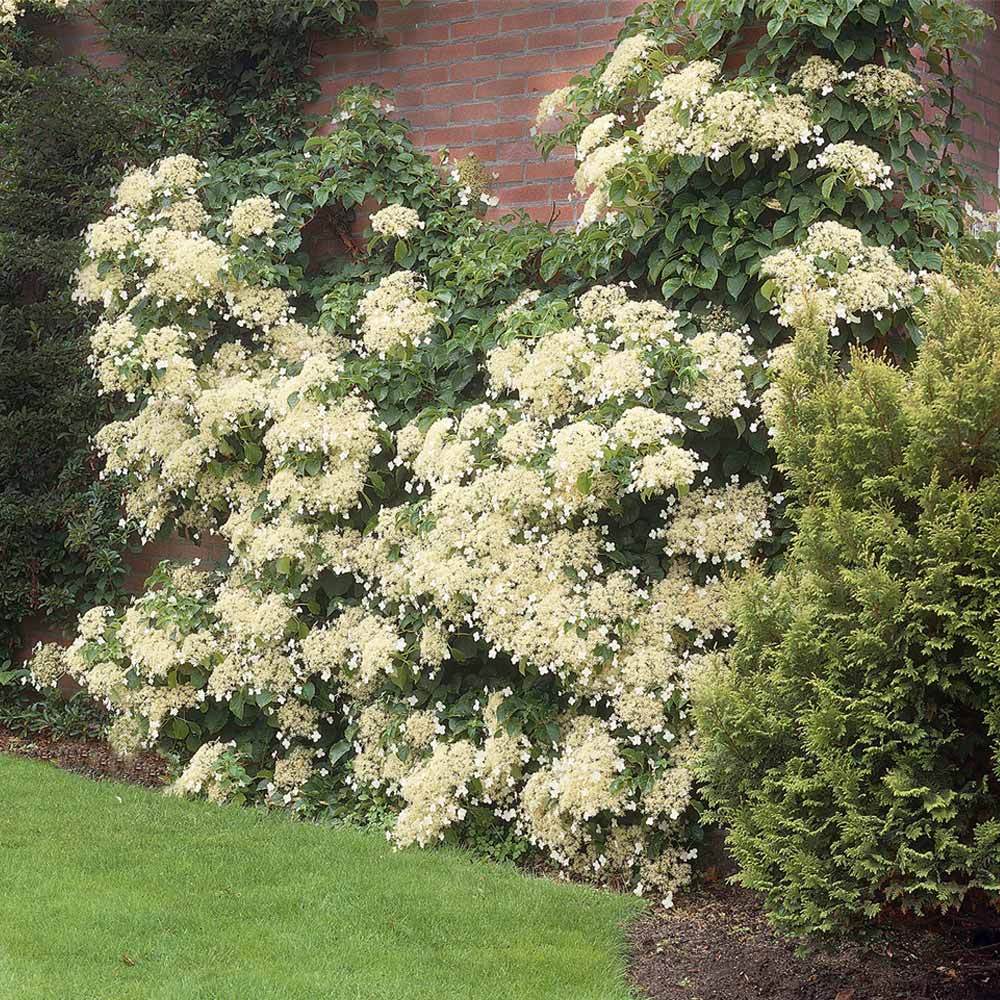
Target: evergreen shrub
[(851, 742)]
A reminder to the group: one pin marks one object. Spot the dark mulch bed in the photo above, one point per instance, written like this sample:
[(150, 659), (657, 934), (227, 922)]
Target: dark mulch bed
[(716, 944), (92, 758)]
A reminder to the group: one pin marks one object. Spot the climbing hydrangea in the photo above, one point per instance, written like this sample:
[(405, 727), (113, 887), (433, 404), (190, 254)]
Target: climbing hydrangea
[(834, 276), (486, 491), (374, 552)]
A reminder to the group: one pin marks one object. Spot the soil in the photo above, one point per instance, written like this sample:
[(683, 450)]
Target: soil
[(92, 758), (716, 944)]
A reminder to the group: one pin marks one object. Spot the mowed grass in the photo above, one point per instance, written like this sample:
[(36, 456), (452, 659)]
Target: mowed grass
[(109, 892)]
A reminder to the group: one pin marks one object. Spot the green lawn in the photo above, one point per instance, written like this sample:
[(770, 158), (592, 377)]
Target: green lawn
[(109, 892)]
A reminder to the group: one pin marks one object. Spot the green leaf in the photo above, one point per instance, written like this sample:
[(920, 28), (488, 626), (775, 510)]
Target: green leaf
[(669, 287), (710, 258), (845, 47), (735, 284), (928, 260), (784, 226), (706, 278)]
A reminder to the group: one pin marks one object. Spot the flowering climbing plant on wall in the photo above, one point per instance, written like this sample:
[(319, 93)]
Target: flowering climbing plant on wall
[(440, 610), (486, 489), (847, 113)]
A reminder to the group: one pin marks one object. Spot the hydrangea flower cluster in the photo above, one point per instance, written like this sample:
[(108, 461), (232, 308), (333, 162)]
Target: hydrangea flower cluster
[(626, 60), (213, 771), (253, 217), (552, 105), (396, 316), (496, 651), (654, 111), (881, 86), (872, 85), (396, 220), (857, 165), (833, 276), (11, 10)]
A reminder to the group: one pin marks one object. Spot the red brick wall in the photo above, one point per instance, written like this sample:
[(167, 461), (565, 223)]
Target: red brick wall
[(981, 92), (468, 74)]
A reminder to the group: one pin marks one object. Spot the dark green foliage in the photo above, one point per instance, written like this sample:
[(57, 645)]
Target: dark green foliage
[(852, 744), (240, 68), (26, 713), (60, 543)]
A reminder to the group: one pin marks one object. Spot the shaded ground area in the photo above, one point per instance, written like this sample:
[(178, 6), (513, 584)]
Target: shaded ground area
[(717, 945), (92, 758)]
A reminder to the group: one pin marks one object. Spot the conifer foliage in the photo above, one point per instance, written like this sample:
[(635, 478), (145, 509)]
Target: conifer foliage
[(852, 743)]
